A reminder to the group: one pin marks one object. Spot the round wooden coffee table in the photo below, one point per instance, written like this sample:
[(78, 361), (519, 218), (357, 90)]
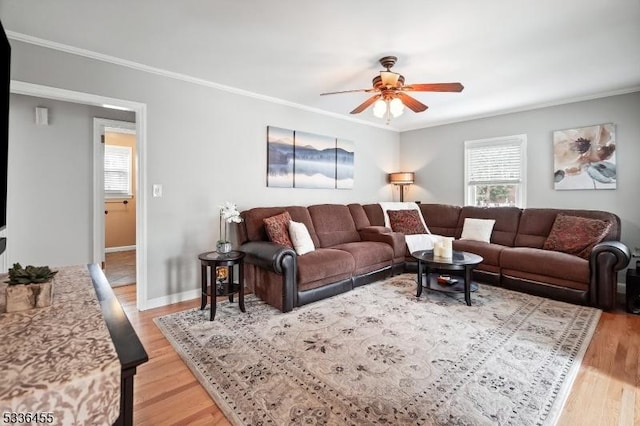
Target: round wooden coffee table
[(460, 261)]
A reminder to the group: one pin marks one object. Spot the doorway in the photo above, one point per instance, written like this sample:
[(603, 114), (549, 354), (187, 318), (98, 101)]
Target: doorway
[(118, 139)]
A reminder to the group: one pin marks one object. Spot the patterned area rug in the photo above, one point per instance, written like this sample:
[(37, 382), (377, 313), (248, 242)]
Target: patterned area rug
[(379, 355)]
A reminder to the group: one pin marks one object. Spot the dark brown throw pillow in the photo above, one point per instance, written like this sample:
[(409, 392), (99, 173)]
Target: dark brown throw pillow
[(277, 228), (576, 235), (406, 221)]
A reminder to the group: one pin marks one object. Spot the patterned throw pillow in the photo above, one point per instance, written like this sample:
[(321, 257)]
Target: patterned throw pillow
[(406, 221), (277, 228), (576, 235)]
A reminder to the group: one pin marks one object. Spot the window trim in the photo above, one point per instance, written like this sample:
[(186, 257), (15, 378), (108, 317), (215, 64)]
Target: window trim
[(521, 141)]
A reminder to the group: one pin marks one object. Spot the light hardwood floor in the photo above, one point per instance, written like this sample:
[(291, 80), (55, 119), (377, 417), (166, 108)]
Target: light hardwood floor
[(605, 392), (120, 267)]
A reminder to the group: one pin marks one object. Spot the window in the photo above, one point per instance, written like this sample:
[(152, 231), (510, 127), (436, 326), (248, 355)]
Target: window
[(495, 171), (117, 171)]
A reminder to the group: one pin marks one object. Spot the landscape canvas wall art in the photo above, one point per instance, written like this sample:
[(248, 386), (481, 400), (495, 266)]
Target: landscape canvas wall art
[(298, 159), (585, 158), (344, 164), (279, 157), (315, 161)]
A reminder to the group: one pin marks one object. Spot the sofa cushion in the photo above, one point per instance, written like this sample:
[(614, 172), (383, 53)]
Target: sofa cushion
[(368, 255), (576, 235), (278, 229), (324, 266), (506, 226), (490, 252), (406, 221), (536, 224), (333, 224), (302, 242), (477, 229), (442, 219), (252, 229), (359, 216), (374, 214), (545, 263)]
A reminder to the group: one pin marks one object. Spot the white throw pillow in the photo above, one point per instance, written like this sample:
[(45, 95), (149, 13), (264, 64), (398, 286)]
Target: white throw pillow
[(477, 229), (300, 238)]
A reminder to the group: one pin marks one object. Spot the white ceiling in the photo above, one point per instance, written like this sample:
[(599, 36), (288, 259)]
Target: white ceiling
[(510, 54)]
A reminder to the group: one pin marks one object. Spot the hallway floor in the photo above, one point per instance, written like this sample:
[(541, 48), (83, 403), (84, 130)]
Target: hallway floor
[(120, 268)]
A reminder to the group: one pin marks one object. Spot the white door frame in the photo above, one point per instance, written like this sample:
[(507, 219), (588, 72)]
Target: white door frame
[(100, 126), (140, 109)]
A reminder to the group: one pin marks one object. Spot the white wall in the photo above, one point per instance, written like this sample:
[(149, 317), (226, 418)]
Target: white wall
[(437, 156), (205, 146), (50, 180)]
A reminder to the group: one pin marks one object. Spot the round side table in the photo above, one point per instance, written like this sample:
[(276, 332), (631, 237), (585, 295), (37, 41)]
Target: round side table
[(212, 260), (460, 261)]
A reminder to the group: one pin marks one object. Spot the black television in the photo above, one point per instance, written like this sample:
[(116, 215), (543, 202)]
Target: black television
[(5, 80)]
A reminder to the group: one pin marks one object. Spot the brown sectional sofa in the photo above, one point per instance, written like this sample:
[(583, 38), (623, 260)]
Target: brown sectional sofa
[(354, 248), (349, 253), (514, 258)]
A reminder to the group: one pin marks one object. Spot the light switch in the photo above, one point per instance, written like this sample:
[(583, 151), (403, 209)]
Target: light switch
[(157, 190)]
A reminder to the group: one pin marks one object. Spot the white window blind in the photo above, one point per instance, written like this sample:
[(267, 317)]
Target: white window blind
[(499, 163), (495, 171), (117, 171)]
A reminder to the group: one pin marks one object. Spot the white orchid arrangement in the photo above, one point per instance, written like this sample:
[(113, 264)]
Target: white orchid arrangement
[(228, 214)]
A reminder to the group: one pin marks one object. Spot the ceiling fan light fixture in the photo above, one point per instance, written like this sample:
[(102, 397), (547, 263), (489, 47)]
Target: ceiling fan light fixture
[(389, 78), (379, 108), (390, 95), (396, 107)]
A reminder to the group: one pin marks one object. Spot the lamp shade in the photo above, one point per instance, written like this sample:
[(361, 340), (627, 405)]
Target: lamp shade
[(401, 178)]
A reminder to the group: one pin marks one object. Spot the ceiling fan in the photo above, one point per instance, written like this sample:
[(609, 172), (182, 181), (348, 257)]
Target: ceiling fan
[(390, 92)]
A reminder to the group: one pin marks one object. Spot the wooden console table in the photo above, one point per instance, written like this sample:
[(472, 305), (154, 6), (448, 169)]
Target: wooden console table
[(130, 351), (72, 362)]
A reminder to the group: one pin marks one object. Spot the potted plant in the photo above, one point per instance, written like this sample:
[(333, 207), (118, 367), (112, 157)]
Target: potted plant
[(228, 214), (30, 287)]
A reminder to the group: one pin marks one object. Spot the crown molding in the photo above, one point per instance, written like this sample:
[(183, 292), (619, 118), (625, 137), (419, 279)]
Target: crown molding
[(527, 108), (25, 38)]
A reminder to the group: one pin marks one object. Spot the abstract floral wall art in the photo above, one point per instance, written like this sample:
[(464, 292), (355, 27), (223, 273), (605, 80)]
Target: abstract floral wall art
[(585, 158)]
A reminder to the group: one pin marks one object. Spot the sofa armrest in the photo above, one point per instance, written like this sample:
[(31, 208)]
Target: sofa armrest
[(266, 254), (385, 235), (607, 258), (279, 259)]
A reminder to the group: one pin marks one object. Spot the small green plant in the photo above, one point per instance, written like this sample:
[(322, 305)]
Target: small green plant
[(30, 274)]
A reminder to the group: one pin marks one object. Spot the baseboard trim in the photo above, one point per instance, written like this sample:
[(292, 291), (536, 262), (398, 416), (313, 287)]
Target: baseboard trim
[(118, 249), (171, 299)]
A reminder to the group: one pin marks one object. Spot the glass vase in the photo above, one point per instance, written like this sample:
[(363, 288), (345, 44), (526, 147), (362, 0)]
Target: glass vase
[(223, 247)]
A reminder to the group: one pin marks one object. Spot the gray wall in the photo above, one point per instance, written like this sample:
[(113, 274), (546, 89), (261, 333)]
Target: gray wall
[(205, 146), (50, 181), (437, 156)]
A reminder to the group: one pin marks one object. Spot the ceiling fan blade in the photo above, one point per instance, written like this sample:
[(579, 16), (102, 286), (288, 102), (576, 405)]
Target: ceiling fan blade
[(346, 91), (365, 104), (434, 87), (411, 103)]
